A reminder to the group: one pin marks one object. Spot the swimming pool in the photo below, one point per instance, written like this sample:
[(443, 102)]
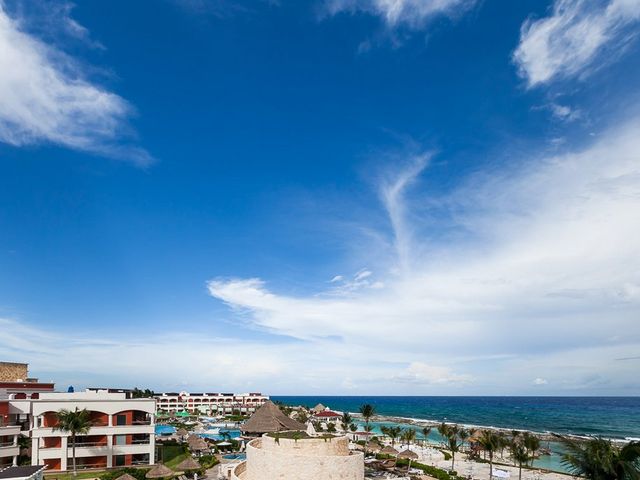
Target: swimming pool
[(165, 430), (220, 436), (235, 456)]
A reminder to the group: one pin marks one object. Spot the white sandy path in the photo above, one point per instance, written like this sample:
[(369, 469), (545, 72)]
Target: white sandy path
[(478, 470)]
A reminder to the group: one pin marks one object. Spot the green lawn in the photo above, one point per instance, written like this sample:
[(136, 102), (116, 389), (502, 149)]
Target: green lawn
[(70, 476), (172, 455)]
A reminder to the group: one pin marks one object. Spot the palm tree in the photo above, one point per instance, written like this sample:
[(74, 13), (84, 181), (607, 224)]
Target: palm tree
[(409, 435), (443, 430), (503, 442), (532, 444), (302, 416), (367, 411), (453, 442), (367, 428), (519, 454), (346, 421), (425, 433), (75, 423), (599, 459), (489, 442), (393, 433)]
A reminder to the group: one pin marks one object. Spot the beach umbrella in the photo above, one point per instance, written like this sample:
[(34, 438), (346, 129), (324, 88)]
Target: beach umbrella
[(223, 444), (389, 451), (189, 463), (182, 432), (126, 476), (160, 471), (373, 448), (409, 455), (198, 445)]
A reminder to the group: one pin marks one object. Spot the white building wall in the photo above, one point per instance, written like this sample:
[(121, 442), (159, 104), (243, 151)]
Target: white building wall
[(305, 459), (109, 404), (10, 448)]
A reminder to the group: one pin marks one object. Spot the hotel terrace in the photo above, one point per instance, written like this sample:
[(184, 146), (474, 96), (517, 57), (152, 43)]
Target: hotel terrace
[(210, 403), (122, 433)]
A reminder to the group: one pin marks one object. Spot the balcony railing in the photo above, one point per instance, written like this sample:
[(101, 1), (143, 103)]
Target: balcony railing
[(86, 466), (143, 441), (143, 421), (51, 446), (8, 444), (89, 444)]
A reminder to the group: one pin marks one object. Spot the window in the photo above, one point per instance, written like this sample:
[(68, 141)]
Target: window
[(118, 460), (119, 439), (121, 419)]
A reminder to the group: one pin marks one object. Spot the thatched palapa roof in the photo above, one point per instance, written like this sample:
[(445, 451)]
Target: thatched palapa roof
[(269, 418), (189, 463), (318, 408), (373, 447), (182, 432), (408, 454), (160, 471), (125, 476), (389, 451)]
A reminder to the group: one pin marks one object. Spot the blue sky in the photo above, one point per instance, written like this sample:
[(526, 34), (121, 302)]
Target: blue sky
[(326, 196)]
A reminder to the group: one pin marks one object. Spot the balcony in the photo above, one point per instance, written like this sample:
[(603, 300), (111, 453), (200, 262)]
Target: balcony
[(146, 421)]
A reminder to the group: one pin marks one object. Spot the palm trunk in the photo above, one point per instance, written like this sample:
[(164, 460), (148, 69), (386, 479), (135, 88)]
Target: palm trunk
[(453, 460), (520, 472), (73, 454), (491, 465)]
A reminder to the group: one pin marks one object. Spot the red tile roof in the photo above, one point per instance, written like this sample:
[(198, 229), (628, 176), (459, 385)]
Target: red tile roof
[(328, 414)]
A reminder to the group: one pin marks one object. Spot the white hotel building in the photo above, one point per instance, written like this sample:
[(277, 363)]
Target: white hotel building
[(122, 433), (9, 449), (210, 403)]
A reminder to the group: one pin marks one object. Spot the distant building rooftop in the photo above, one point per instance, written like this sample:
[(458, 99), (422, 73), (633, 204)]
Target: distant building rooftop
[(25, 472)]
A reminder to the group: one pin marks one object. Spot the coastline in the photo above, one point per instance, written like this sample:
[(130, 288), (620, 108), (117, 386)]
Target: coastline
[(421, 422)]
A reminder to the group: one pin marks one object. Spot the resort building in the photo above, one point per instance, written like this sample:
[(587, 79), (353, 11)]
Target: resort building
[(327, 416), (210, 403), (15, 382), (9, 449), (122, 433)]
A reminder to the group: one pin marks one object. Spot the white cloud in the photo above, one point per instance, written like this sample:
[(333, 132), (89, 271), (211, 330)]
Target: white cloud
[(45, 97), (411, 13), (574, 38), (421, 373), (564, 112), (547, 268), (539, 381)]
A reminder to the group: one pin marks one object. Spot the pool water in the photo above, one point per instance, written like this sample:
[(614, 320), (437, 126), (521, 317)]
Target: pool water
[(232, 434), (235, 456), (165, 430)]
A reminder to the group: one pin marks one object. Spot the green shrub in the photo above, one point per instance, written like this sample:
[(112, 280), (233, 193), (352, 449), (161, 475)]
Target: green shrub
[(208, 461), (434, 472)]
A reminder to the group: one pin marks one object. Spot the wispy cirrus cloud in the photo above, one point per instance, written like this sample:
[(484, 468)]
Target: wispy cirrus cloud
[(47, 97), (413, 14), (547, 246), (575, 38)]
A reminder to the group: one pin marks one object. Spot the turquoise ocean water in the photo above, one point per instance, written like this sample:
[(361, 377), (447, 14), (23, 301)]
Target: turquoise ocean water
[(611, 417)]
